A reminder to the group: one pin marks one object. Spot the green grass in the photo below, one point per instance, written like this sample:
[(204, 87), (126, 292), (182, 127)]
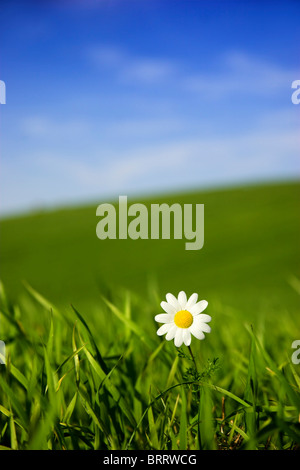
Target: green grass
[(84, 366), (114, 384), (251, 251)]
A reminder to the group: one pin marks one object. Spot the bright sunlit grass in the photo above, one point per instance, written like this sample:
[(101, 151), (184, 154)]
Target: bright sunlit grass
[(110, 382)]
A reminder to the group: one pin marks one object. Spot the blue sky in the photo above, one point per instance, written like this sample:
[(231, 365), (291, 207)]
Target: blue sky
[(111, 97)]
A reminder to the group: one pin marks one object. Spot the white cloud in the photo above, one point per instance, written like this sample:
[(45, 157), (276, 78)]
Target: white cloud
[(241, 73), (49, 129), (257, 154), (44, 178), (45, 127), (99, 155), (145, 127), (128, 67), (236, 73), (148, 70), (107, 56)]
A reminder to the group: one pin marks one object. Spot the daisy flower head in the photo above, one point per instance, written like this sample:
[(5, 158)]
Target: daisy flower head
[(182, 318)]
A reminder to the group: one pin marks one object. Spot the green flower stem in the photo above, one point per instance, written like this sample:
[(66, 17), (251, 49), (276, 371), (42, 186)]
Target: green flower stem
[(193, 358)]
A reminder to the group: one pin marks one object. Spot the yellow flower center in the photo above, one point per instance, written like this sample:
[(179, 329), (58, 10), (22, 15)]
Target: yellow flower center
[(183, 319)]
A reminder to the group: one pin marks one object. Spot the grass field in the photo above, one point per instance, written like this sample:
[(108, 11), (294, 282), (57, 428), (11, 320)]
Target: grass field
[(251, 252), (84, 366)]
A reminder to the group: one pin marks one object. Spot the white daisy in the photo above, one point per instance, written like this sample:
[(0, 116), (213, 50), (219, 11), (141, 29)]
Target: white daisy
[(183, 317)]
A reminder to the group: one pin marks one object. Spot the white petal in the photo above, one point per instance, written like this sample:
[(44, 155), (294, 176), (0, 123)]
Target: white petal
[(187, 337), (164, 318), (197, 332), (200, 324), (192, 300), (204, 327), (168, 308), (178, 340), (182, 299), (199, 307), (171, 333), (163, 329), (173, 301), (204, 318)]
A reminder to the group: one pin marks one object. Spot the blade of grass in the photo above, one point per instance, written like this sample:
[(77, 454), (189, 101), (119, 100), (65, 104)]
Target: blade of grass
[(115, 393), (70, 409), (99, 356), (250, 393), (205, 417), (13, 434), (183, 422), (152, 429), (131, 325), (41, 300)]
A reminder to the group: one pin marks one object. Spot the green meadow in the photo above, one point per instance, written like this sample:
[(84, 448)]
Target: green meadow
[(84, 366)]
